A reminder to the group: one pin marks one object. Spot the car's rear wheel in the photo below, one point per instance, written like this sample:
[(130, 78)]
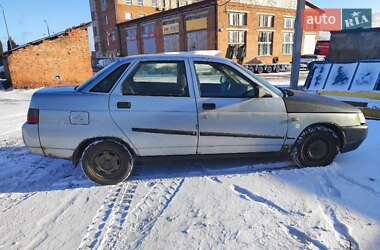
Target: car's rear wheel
[(107, 162), (316, 146)]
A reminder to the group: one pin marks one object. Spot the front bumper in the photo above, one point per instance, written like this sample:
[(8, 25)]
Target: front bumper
[(353, 137)]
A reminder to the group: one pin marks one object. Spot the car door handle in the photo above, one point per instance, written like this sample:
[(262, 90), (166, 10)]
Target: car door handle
[(124, 105), (208, 106)]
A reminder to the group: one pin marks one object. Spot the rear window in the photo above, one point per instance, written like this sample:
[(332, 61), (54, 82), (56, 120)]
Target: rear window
[(105, 85)]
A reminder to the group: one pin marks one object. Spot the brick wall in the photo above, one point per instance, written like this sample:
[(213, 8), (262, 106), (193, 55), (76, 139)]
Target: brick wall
[(253, 29), (180, 15), (63, 60), (218, 27)]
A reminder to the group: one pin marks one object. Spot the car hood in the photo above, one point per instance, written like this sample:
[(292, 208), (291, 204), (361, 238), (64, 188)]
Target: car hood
[(301, 102)]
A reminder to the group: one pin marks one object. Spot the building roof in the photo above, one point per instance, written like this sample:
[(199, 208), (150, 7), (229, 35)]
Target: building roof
[(184, 8), (51, 37), (178, 10)]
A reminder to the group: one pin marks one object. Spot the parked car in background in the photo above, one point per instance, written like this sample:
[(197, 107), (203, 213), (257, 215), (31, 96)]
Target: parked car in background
[(184, 104), (102, 63), (307, 61), (322, 48)]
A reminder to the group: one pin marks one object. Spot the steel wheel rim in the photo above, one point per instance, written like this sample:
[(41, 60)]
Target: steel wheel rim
[(107, 163), (317, 150)]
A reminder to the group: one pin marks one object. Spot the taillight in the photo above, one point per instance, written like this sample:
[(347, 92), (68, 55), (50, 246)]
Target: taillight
[(33, 116)]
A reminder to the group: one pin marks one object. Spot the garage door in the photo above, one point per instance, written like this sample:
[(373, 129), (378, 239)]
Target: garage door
[(197, 40), (171, 43), (132, 48), (149, 38)]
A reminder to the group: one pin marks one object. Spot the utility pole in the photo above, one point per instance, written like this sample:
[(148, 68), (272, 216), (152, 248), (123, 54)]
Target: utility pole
[(297, 45), (47, 26), (6, 24)]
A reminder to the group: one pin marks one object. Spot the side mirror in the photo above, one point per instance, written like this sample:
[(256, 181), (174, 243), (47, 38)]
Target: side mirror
[(263, 93)]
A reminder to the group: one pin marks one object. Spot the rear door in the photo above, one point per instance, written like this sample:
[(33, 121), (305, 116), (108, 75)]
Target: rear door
[(155, 107), (236, 114)]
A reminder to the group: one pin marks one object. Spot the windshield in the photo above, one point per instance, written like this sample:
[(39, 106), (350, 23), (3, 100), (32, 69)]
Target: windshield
[(98, 74), (262, 81)]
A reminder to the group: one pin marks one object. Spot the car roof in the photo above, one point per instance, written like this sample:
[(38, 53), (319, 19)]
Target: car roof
[(174, 55)]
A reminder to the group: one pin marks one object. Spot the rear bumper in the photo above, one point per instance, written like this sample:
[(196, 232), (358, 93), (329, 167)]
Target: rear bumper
[(354, 136), (31, 138)]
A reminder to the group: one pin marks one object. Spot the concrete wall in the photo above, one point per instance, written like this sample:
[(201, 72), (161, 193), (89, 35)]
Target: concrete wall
[(60, 61), (355, 45)]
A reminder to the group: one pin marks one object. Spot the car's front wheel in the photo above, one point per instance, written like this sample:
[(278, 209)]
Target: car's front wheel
[(316, 146), (107, 162)]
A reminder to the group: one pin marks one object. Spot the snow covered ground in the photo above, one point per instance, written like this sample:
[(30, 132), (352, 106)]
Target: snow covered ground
[(282, 79), (46, 203)]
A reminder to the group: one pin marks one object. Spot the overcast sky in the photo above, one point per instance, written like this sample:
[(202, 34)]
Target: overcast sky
[(26, 17)]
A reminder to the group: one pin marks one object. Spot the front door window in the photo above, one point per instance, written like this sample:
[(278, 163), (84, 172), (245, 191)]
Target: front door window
[(221, 81)]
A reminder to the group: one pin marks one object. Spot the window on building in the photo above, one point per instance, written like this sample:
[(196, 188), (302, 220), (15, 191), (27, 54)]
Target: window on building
[(237, 19), (236, 37), (129, 2), (141, 14), (113, 36), (103, 5), (140, 2), (158, 79), (221, 81), (154, 3), (128, 15), (131, 34), (105, 85), (266, 21), (108, 38), (287, 43), (289, 22), (265, 43), (106, 20)]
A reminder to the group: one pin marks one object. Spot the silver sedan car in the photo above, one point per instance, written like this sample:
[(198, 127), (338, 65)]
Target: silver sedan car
[(184, 104)]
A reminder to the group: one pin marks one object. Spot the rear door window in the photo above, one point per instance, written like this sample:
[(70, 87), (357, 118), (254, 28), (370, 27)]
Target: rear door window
[(161, 78)]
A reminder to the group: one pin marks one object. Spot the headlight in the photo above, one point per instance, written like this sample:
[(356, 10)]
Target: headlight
[(361, 118)]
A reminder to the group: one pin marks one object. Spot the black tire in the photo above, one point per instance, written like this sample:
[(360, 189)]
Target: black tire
[(260, 69), (107, 162), (316, 146), (277, 69), (269, 69)]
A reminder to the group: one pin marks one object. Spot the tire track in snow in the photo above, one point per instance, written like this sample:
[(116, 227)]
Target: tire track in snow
[(248, 195), (363, 186), (304, 238), (142, 219), (345, 239), (348, 241), (118, 217), (100, 221)]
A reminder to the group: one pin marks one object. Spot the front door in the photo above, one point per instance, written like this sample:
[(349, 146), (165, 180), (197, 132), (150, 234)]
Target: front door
[(236, 114), (155, 107)]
